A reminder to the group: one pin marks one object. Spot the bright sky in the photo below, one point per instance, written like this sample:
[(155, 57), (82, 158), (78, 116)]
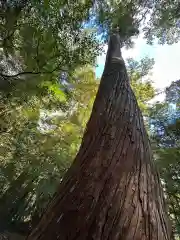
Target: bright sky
[(167, 61)]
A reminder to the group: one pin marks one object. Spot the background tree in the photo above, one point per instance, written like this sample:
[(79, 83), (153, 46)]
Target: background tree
[(37, 147), (164, 124)]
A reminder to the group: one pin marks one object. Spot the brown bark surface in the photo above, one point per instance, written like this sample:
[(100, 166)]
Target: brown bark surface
[(112, 190)]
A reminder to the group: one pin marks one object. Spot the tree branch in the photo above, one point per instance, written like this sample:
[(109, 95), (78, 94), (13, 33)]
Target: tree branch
[(29, 73)]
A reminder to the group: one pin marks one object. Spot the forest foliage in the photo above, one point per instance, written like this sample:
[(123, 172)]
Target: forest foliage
[(48, 53)]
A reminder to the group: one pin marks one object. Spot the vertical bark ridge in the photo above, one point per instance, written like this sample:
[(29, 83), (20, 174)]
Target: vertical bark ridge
[(112, 190)]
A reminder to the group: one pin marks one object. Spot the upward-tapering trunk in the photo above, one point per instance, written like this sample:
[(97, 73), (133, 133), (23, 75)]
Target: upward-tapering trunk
[(112, 190)]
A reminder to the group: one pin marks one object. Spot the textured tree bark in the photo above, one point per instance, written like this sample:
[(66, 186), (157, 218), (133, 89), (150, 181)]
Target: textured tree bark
[(112, 190)]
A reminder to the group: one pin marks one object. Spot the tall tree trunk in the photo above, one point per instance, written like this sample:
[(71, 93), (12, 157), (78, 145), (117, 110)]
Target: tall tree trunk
[(112, 190)]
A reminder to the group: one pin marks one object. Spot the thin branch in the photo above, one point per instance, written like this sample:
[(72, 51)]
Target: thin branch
[(8, 36), (158, 93), (142, 17), (29, 73), (37, 53)]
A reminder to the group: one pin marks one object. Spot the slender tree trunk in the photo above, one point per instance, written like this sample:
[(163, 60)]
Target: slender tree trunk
[(112, 190)]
